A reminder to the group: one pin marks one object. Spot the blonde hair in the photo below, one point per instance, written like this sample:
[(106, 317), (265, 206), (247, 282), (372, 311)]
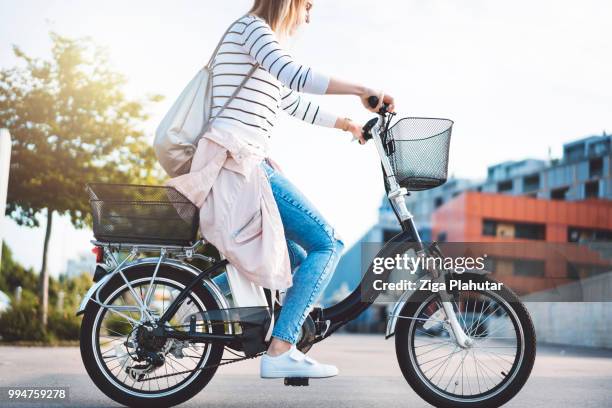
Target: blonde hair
[(283, 16)]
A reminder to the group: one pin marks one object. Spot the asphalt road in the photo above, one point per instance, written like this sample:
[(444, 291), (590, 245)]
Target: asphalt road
[(369, 377)]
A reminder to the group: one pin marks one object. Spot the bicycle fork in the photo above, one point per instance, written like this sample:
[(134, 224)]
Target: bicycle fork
[(462, 339), (450, 316)]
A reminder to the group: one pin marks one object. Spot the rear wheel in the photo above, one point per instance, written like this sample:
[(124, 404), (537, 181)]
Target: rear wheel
[(113, 344), (486, 374)]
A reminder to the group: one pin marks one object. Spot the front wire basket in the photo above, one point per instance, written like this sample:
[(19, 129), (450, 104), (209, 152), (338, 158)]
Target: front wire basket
[(418, 150), (138, 214)]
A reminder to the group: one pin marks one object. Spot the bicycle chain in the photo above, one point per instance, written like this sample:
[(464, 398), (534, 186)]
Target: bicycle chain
[(203, 368)]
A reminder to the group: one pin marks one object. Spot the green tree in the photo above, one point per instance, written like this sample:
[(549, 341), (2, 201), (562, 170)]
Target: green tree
[(71, 123), (21, 322), (13, 274)]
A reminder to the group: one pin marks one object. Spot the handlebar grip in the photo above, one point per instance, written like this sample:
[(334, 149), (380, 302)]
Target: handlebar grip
[(373, 102), (367, 128)]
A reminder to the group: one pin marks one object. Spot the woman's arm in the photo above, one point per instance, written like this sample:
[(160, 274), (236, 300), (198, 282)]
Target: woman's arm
[(261, 43), (340, 87), (300, 107)]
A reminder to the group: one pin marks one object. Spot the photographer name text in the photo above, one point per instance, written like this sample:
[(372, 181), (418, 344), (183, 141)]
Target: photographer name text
[(428, 285)]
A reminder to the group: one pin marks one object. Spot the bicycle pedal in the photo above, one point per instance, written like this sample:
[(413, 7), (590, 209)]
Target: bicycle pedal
[(297, 381)]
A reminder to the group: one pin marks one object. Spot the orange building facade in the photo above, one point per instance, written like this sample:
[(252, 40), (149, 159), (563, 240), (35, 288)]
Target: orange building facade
[(533, 244), (463, 218)]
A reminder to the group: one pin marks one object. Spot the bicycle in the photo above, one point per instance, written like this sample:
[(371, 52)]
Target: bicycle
[(154, 329)]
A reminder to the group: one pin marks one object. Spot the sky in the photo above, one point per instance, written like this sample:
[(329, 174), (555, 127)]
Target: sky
[(518, 78)]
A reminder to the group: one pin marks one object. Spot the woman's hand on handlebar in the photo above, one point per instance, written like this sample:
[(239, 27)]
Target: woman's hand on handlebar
[(340, 87), (354, 128), (382, 98), (356, 131)]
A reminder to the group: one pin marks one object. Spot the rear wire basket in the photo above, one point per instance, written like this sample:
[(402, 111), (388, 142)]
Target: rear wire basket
[(128, 213), (418, 151)]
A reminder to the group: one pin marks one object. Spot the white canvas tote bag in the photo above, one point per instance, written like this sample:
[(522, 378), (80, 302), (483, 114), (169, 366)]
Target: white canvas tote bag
[(188, 119)]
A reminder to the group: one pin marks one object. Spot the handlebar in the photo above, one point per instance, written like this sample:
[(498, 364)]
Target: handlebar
[(367, 128)]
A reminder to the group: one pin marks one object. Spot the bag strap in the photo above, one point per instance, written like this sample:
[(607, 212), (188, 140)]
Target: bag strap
[(214, 54), (238, 88), (235, 93)]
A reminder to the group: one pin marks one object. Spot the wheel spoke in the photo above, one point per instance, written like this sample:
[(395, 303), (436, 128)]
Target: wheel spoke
[(431, 344), (434, 349), (457, 369), (448, 361)]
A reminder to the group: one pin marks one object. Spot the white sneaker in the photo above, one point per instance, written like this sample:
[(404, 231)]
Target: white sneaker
[(294, 363)]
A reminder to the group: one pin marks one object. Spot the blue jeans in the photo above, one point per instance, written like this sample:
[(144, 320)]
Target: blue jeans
[(314, 251)]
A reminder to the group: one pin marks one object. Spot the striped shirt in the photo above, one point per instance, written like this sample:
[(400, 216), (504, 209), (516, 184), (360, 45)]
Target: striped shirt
[(277, 85)]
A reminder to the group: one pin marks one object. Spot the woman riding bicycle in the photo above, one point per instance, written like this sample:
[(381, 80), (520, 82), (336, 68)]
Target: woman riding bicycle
[(155, 329), (309, 242)]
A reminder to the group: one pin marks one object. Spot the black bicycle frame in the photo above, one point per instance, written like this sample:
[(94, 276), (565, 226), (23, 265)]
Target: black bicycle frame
[(364, 294), (332, 317)]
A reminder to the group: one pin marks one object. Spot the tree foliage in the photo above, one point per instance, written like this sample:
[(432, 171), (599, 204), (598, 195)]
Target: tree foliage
[(13, 274), (71, 123), (22, 321)]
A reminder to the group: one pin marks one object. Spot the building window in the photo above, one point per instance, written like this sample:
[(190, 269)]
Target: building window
[(530, 231), (559, 193), (574, 152), (596, 167), (489, 228), (531, 183), (504, 186), (575, 234), (532, 268), (438, 202), (599, 148), (503, 229), (591, 189)]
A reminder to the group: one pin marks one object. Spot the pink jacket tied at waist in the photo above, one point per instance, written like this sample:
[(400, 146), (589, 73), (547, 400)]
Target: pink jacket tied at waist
[(238, 213)]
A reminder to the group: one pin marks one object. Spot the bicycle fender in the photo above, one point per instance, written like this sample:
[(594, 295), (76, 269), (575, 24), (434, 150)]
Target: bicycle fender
[(92, 290), (180, 266), (393, 316)]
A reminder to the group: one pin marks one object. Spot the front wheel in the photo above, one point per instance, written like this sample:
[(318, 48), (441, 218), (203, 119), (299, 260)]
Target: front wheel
[(489, 372)]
